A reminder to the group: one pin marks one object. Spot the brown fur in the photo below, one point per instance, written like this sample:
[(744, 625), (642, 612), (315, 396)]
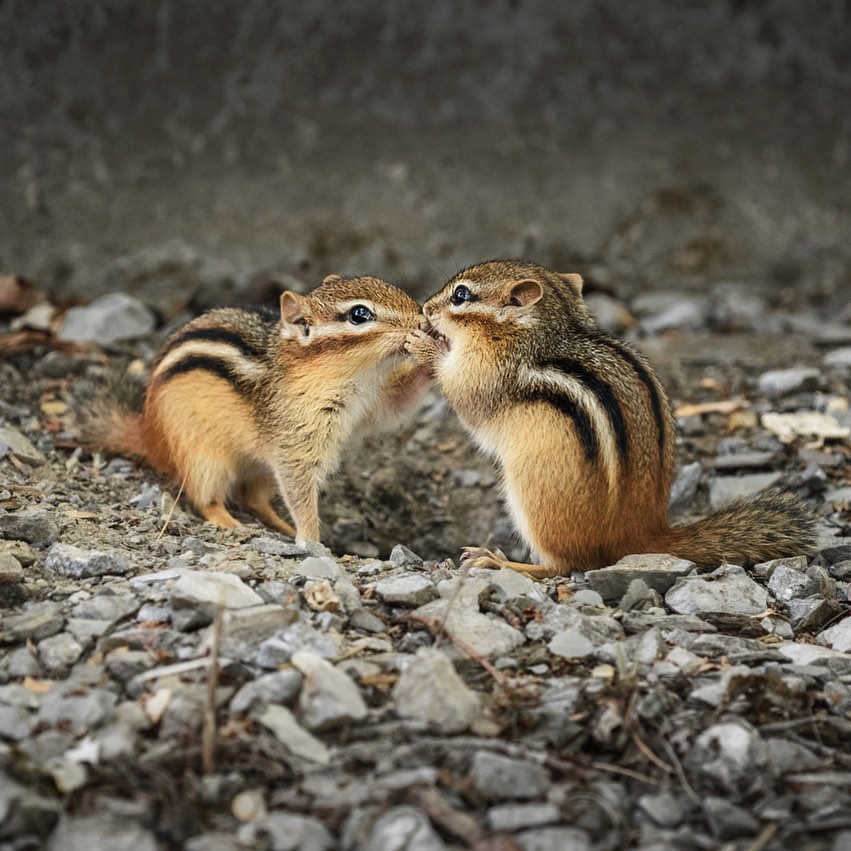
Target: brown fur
[(240, 407), (581, 426)]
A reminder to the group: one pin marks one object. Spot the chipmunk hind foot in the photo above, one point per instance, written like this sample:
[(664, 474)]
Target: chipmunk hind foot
[(482, 557)]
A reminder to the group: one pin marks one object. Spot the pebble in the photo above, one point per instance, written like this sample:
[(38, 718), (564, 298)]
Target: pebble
[(12, 440), (292, 735), (554, 839), (328, 698), (318, 568), (684, 487), (430, 690), (277, 687), (728, 821), (108, 319), (788, 582), (36, 621), (411, 589), (782, 382), (513, 817), (279, 649), (209, 590), (744, 460), (658, 572), (512, 584), (502, 778), (403, 828), (59, 652), (570, 644), (678, 313), (36, 526), (726, 489), (840, 358), (76, 563), (401, 556), (733, 756), (728, 589), (460, 616), (838, 636)]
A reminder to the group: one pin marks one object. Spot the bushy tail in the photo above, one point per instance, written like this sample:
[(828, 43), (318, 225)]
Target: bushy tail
[(108, 415), (772, 525)]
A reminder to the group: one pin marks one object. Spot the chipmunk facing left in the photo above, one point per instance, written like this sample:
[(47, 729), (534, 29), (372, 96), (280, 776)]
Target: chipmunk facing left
[(581, 426), (240, 406)]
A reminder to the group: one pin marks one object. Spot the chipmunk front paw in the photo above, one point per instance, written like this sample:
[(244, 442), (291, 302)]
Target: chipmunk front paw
[(483, 557)]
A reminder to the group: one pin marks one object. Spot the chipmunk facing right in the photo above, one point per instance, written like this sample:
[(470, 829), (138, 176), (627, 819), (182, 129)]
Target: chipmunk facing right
[(581, 426), (238, 405)]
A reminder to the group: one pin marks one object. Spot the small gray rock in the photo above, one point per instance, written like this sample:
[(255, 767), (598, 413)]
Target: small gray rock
[(329, 698), (11, 440), (83, 833), (108, 319), (279, 649), (245, 629), (684, 487), (77, 563), (726, 489), (81, 712), (401, 556), (501, 778), (319, 568), (787, 583), (292, 735), (430, 690), (727, 590), (570, 644), (782, 382), (276, 687), (105, 607), (511, 584), (744, 460), (514, 817), (734, 757), (728, 821), (838, 636), (657, 571), (665, 809), (840, 358), (812, 613), (208, 590), (403, 828), (412, 589), (36, 527), (366, 621), (38, 620), (16, 723), (11, 570), (554, 839), (59, 651), (678, 312)]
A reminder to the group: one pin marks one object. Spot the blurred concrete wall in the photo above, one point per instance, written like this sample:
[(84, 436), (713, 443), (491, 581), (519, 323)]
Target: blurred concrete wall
[(193, 149)]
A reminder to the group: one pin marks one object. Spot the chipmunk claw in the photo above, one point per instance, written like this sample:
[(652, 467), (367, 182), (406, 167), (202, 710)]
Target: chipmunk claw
[(483, 557)]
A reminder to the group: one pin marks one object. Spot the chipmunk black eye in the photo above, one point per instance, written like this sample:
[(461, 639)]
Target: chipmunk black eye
[(461, 294), (359, 314)]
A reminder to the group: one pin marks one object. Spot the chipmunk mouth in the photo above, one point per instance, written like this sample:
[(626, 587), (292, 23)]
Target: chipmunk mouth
[(442, 341)]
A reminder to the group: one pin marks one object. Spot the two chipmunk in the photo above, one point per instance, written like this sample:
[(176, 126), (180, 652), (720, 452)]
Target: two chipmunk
[(239, 406)]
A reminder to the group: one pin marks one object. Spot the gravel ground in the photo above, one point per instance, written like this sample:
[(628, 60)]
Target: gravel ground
[(168, 685)]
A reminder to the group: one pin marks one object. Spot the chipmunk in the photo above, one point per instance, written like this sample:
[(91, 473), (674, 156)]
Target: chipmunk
[(581, 426), (240, 405)]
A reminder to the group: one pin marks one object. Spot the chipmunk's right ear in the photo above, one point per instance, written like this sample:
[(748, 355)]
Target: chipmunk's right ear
[(295, 315), (573, 280), (332, 279)]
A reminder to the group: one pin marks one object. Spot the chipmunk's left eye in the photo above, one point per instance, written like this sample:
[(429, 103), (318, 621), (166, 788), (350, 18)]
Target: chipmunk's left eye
[(359, 314)]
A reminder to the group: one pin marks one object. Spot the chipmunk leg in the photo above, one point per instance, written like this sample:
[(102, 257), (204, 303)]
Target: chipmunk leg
[(257, 496), (218, 515), (300, 491), (496, 559)]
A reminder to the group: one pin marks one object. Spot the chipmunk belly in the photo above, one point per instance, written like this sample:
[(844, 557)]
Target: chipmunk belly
[(561, 502)]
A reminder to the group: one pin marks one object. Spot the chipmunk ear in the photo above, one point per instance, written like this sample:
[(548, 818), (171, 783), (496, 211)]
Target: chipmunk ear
[(573, 280), (295, 314), (524, 293), (332, 279)]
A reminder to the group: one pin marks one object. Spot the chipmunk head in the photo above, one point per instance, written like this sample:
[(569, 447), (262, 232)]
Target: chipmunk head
[(502, 300), (364, 317)]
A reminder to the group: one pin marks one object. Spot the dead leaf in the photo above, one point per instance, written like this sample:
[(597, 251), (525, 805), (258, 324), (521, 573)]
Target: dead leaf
[(155, 706), (807, 424), (320, 597), (53, 407), (38, 686), (722, 406)]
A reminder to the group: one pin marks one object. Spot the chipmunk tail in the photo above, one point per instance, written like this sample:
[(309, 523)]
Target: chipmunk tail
[(108, 414), (771, 525)]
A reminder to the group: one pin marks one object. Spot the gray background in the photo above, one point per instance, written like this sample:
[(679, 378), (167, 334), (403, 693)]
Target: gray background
[(186, 151)]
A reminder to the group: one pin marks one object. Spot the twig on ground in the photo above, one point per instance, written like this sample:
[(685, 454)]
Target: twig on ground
[(208, 735)]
